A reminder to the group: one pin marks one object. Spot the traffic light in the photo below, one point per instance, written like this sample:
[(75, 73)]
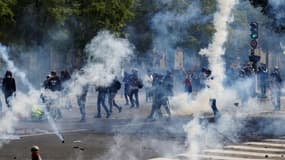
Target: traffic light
[(253, 44), (254, 30)]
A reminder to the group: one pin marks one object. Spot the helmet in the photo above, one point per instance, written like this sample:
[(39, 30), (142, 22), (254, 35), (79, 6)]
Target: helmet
[(35, 148)]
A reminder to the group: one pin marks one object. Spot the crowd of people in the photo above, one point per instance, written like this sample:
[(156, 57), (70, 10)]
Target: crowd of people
[(158, 89), (265, 80)]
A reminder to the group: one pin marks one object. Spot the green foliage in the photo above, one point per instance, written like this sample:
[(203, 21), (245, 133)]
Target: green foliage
[(197, 35), (6, 15), (139, 29), (34, 19), (96, 15), (63, 25), (208, 6)]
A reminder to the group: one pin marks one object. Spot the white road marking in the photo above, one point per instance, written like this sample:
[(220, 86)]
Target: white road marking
[(266, 144), (253, 148), (244, 153)]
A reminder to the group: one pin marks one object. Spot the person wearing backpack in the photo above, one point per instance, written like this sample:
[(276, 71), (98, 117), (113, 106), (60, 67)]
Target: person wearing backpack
[(135, 85), (112, 91)]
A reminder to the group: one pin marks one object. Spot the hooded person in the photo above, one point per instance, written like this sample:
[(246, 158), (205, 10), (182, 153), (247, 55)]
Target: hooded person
[(8, 87)]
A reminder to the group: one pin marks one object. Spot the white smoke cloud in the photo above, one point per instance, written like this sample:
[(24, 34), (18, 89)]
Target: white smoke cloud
[(198, 135), (108, 54), (214, 53), (216, 49), (11, 66), (169, 26)]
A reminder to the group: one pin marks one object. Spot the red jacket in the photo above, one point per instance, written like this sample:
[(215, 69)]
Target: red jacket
[(187, 82)]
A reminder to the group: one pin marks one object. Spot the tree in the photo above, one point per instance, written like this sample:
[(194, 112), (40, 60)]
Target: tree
[(6, 16), (65, 26)]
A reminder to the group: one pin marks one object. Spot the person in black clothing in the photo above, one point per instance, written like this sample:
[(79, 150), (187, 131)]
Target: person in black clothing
[(64, 76), (54, 83), (102, 91), (135, 85), (160, 98), (8, 87), (112, 91), (45, 83)]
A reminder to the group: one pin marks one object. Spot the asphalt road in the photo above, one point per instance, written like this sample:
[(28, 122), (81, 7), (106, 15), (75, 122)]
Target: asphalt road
[(124, 136), (92, 146)]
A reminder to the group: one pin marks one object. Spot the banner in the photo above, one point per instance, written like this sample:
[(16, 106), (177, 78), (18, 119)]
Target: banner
[(178, 59)]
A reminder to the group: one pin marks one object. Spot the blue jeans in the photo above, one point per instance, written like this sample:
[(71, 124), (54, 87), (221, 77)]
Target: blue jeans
[(101, 101), (134, 97)]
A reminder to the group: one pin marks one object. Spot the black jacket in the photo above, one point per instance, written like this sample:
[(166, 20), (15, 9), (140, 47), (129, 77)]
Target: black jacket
[(8, 86), (54, 84)]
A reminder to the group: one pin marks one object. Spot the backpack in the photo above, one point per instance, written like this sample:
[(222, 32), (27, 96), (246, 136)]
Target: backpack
[(140, 84), (117, 85)]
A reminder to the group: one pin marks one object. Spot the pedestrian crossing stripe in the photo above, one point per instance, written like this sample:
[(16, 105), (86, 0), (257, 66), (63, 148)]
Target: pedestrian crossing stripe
[(212, 157), (243, 153), (275, 140), (254, 148), (267, 149), (266, 144)]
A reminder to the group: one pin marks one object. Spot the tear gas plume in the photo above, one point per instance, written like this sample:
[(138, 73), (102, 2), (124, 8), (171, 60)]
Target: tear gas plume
[(214, 53), (107, 55), (11, 66), (225, 97), (216, 49), (22, 103), (126, 147)]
